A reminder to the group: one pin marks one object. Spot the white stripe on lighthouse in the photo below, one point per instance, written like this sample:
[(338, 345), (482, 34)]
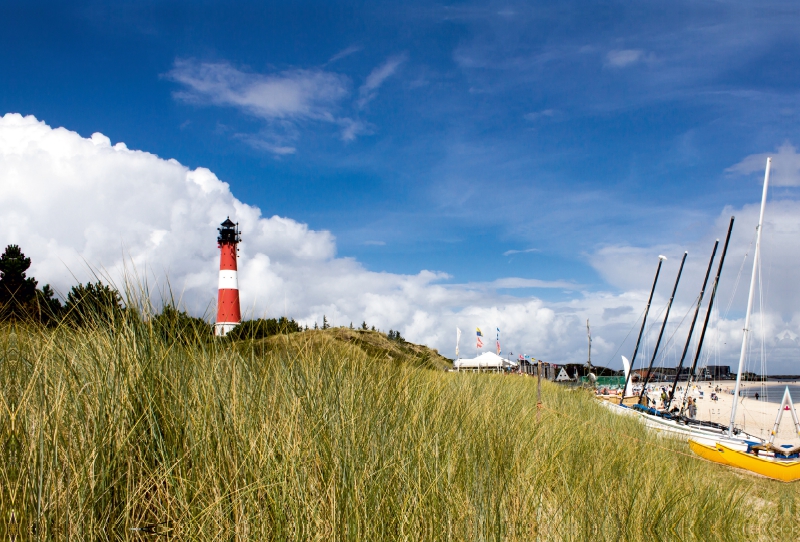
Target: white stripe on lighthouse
[(228, 280)]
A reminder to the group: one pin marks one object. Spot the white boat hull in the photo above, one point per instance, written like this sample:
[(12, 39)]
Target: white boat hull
[(708, 436)]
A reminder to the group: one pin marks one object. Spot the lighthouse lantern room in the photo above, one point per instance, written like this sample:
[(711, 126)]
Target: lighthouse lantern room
[(228, 313)]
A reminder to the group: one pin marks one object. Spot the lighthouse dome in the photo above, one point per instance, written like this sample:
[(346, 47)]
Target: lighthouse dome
[(228, 232)]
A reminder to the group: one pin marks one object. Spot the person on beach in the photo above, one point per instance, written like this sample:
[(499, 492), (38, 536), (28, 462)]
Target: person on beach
[(692, 408), (756, 396)]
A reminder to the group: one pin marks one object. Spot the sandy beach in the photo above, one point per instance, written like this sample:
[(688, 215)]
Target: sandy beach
[(755, 417)]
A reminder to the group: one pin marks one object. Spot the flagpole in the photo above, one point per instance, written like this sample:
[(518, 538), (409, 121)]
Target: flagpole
[(538, 389)]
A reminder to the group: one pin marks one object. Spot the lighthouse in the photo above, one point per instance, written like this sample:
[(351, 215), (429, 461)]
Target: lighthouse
[(228, 313)]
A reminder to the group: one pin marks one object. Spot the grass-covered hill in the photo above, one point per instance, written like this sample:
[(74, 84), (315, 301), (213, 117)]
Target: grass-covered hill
[(373, 344), (118, 430)]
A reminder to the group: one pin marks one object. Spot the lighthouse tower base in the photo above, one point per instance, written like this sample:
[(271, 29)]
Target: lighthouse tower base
[(222, 328)]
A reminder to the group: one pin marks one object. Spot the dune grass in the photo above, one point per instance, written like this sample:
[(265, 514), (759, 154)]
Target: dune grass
[(116, 432)]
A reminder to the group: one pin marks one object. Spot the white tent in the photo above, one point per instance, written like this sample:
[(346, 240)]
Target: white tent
[(563, 376), (487, 360)]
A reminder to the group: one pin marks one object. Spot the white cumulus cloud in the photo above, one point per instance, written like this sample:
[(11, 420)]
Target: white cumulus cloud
[(75, 204)]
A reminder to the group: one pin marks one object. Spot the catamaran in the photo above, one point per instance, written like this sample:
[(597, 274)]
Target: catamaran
[(764, 458), (674, 421)]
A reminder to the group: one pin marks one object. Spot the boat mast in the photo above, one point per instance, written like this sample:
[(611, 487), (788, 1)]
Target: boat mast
[(708, 310), (641, 331), (663, 327), (746, 330), (691, 328)]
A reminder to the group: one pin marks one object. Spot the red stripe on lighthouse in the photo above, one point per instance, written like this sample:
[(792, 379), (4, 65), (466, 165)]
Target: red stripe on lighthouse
[(227, 256), (228, 307)]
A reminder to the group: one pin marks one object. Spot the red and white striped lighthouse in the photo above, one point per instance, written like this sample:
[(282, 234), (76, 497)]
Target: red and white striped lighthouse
[(228, 313)]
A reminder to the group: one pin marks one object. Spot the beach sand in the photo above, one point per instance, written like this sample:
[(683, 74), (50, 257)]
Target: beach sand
[(754, 417)]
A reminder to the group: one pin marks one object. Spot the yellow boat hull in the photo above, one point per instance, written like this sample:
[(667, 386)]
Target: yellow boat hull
[(785, 470)]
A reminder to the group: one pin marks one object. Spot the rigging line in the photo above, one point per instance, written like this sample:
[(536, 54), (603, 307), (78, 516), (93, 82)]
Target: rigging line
[(647, 332), (611, 359), (762, 352), (704, 362), (707, 356), (767, 355), (667, 345), (739, 276)]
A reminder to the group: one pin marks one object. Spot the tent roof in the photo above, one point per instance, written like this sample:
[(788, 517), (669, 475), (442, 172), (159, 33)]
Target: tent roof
[(487, 359)]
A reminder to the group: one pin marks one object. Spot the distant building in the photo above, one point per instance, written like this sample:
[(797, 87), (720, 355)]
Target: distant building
[(719, 372)]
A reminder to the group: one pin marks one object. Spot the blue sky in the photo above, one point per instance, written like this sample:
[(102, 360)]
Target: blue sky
[(504, 126), (482, 140)]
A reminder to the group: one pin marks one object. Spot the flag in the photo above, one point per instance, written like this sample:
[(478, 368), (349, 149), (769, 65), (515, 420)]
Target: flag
[(458, 340), (479, 332), (498, 341), (521, 357)]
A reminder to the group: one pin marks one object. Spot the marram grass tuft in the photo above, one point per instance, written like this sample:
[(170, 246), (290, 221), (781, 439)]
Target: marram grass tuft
[(118, 430)]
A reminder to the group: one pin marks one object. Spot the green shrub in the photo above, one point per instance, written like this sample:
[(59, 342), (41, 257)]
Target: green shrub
[(262, 328)]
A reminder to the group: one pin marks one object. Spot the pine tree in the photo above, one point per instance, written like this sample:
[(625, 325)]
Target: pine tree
[(48, 307), (175, 324), (351, 325), (316, 326), (373, 328), (325, 324), (17, 291), (92, 303), (364, 325)]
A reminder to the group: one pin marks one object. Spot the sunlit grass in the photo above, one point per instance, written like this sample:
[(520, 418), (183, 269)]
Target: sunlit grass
[(117, 429)]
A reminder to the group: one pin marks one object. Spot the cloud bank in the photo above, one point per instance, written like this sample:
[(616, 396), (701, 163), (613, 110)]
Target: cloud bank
[(76, 203)]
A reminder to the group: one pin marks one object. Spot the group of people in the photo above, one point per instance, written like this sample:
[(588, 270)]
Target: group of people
[(691, 403)]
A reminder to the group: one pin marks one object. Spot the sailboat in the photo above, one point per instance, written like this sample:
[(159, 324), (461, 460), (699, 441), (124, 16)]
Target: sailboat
[(777, 462), (670, 422)]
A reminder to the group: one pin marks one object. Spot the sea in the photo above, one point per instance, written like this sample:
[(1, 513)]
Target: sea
[(774, 392)]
